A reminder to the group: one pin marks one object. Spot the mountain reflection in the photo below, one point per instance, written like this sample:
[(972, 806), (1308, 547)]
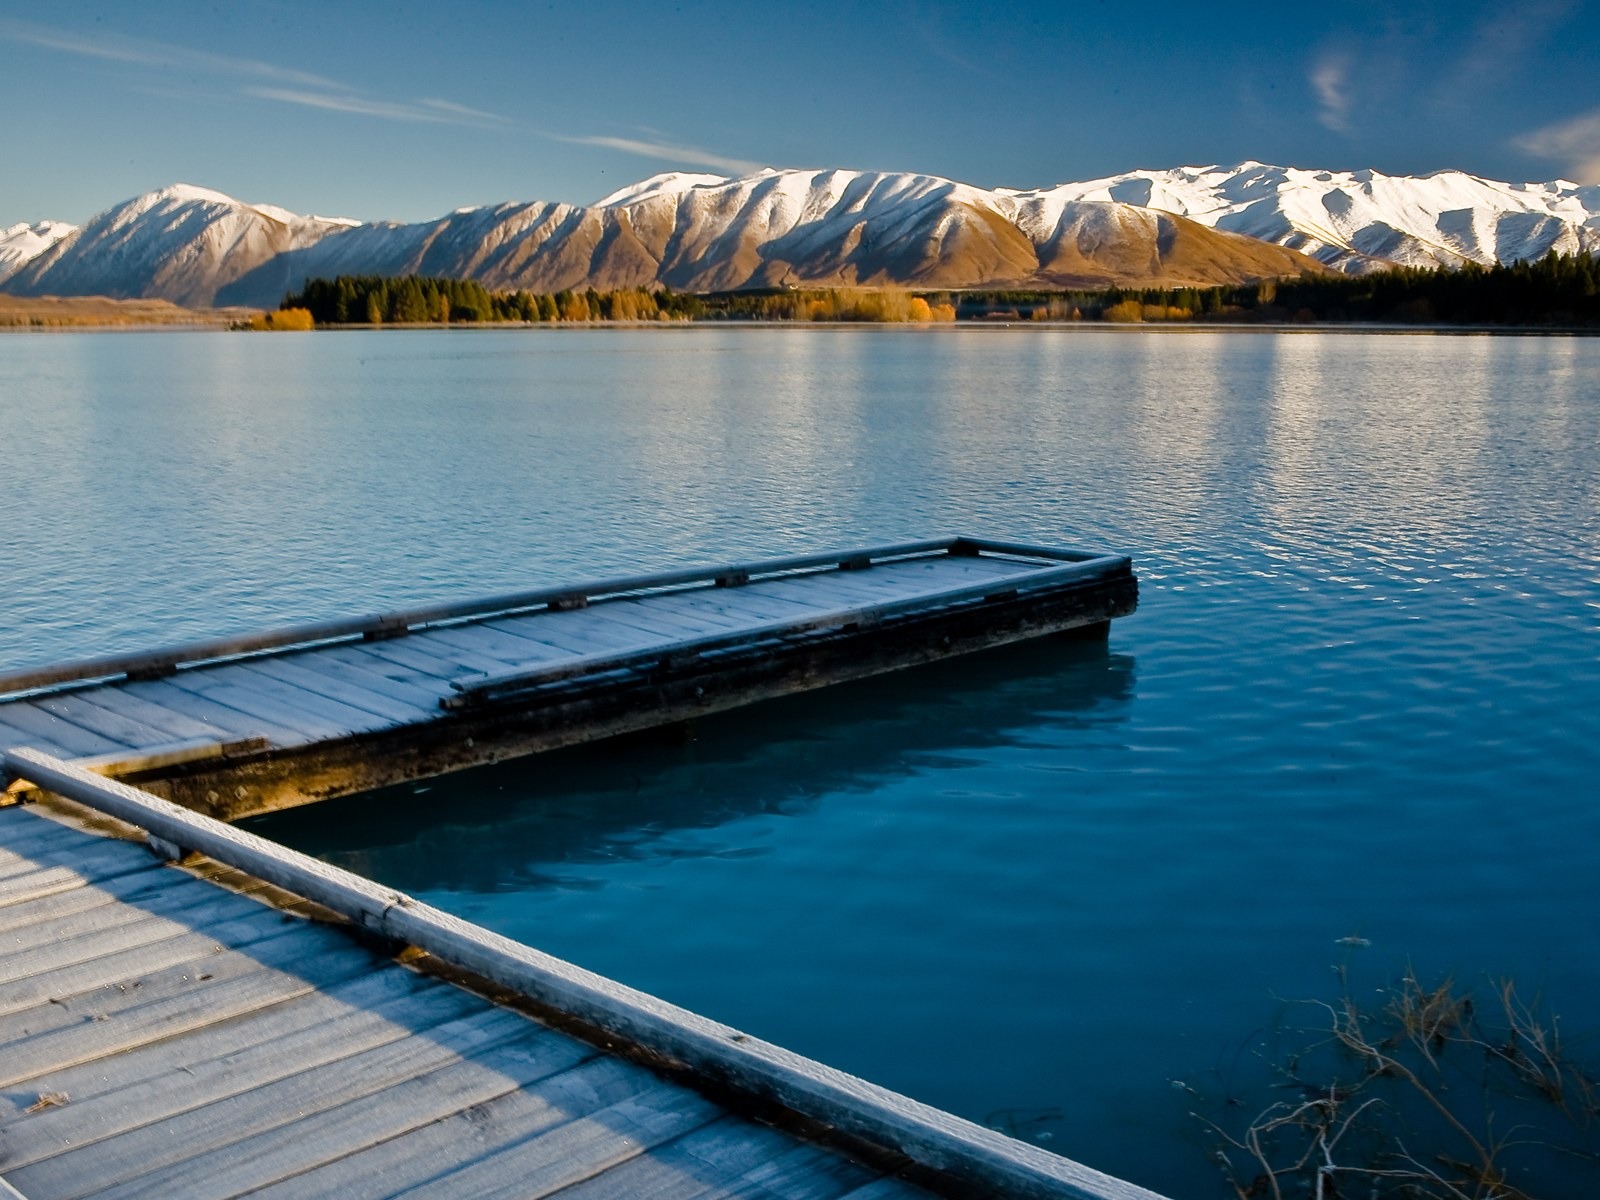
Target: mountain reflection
[(515, 825)]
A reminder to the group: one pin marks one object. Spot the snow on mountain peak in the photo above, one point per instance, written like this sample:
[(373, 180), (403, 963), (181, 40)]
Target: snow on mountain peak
[(21, 244)]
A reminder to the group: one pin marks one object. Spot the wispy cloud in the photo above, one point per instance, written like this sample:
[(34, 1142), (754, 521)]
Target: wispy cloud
[(1329, 78), (666, 151), (1574, 142), (426, 112), (144, 53), (290, 85), (251, 77)]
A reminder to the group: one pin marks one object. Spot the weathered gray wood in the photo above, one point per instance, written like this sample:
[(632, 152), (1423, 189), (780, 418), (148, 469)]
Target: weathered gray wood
[(119, 951), (116, 1018), (36, 723), (389, 1151), (979, 1157), (71, 936), (88, 861), (834, 618), (348, 664), (576, 1150), (178, 1081), (119, 728), (123, 701), (26, 833), (242, 1142), (318, 714), (441, 662), (52, 881), (634, 617), (133, 889), (344, 691), (484, 641), (207, 711), (78, 974), (724, 1159), (392, 995)]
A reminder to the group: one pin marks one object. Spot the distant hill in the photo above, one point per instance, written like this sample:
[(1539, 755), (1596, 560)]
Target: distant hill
[(1197, 226)]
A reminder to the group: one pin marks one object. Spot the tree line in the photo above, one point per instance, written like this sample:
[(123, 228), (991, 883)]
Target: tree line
[(1558, 290)]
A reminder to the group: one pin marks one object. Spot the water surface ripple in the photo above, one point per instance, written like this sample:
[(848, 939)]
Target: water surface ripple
[(1361, 696)]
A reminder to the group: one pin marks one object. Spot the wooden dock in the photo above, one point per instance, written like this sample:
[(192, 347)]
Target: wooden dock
[(254, 1022), (249, 724)]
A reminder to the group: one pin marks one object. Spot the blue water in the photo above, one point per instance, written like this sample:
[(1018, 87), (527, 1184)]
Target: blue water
[(1361, 696)]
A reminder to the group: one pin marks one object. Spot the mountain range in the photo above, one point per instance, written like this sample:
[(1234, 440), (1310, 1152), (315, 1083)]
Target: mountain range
[(692, 232)]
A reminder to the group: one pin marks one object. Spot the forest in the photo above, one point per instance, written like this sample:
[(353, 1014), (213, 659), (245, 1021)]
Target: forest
[(1557, 291)]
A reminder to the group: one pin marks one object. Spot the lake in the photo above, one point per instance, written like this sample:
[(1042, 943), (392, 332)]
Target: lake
[(1058, 888)]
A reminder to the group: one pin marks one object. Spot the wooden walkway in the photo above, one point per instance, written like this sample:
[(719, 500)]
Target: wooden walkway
[(190, 1032), (249, 724)]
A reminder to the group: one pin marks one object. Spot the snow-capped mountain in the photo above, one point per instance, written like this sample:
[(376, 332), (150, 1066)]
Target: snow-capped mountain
[(181, 244), (698, 232), (21, 244), (1361, 220), (690, 232)]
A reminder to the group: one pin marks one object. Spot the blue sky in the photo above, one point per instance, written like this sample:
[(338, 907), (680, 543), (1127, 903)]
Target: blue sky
[(407, 110)]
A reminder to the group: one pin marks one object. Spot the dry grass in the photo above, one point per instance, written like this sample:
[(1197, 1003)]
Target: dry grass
[(99, 312)]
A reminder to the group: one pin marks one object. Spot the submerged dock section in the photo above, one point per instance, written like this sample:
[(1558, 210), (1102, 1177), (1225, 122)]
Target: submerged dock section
[(244, 725), (255, 1022)]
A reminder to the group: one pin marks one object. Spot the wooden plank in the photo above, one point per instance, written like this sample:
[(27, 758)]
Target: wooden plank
[(253, 1139), (683, 606), (486, 641), (118, 699), (41, 940), (88, 859), (750, 605), (11, 738), (55, 984), (52, 881), (578, 1149), (563, 633), (374, 703), (309, 709), (654, 623), (184, 1076), (165, 1003), (136, 888), (26, 832), (383, 995), (712, 1161), (440, 661), (255, 701), (347, 663), (85, 937), (81, 710), (210, 712), (22, 715), (413, 1154)]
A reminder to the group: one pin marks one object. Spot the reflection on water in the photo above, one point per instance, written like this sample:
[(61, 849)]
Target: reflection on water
[(548, 817), (1034, 886)]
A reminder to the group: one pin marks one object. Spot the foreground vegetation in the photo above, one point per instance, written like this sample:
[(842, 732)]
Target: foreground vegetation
[(1426, 1092), (98, 312), (1555, 291)]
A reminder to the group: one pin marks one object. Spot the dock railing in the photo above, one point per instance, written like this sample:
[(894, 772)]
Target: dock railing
[(154, 664), (976, 1158)]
